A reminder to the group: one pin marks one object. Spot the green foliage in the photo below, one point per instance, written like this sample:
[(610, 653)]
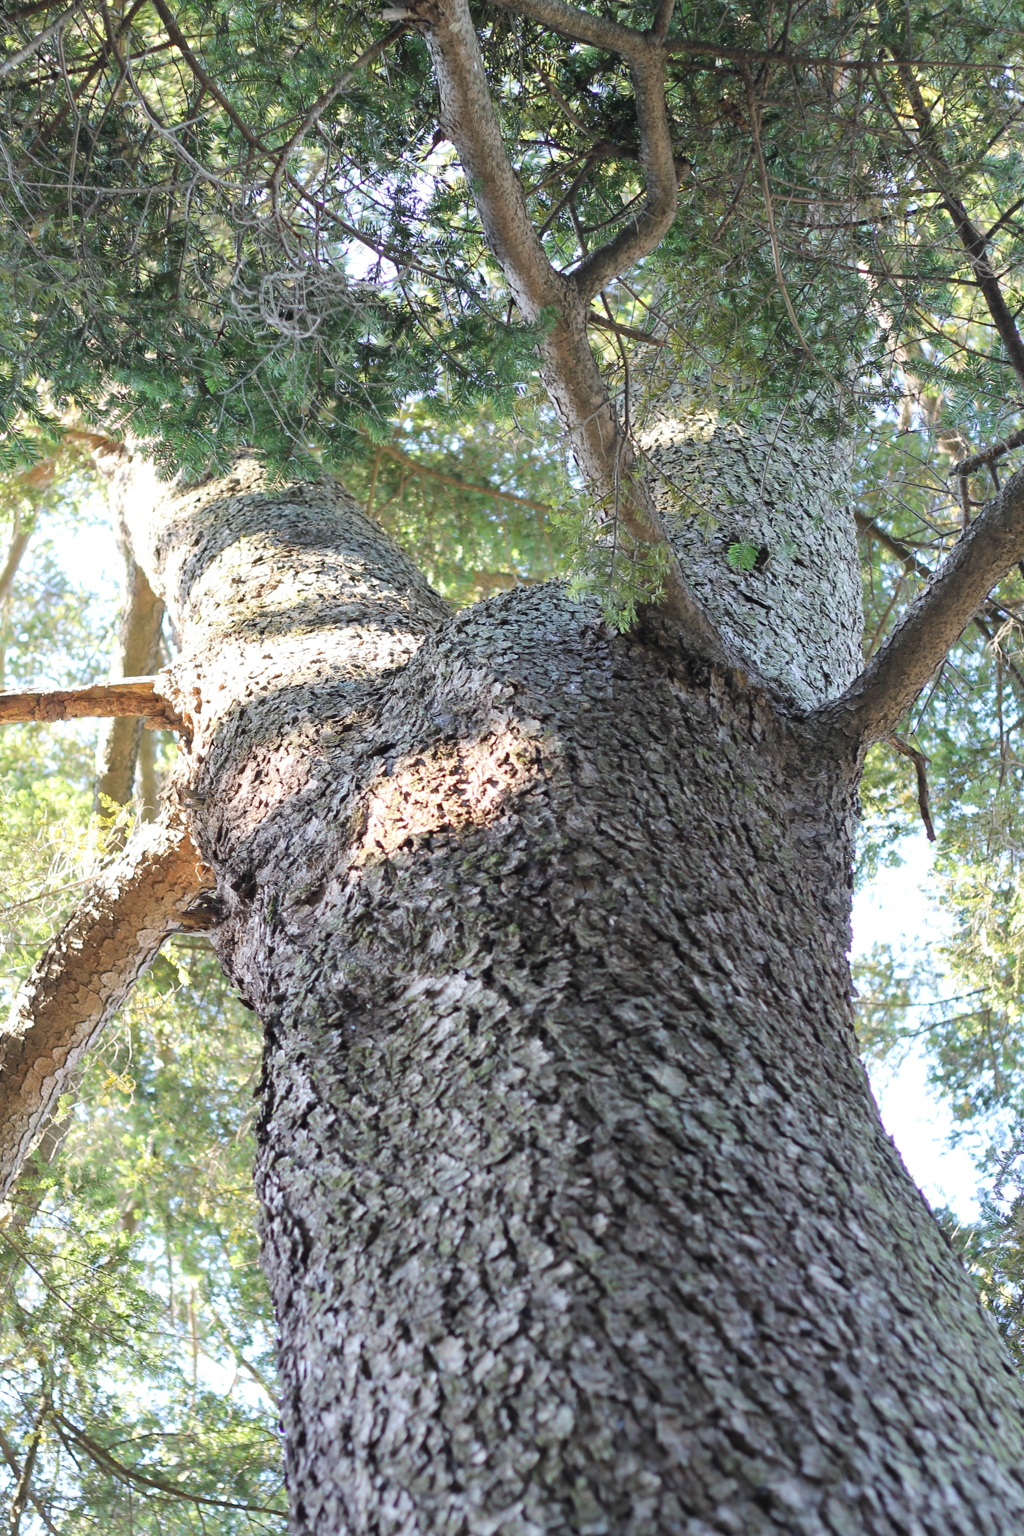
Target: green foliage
[(431, 482), (742, 556), (135, 1328), (189, 253)]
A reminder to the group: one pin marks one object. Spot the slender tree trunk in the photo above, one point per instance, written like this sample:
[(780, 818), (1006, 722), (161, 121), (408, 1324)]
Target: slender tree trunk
[(137, 654), (579, 1217)]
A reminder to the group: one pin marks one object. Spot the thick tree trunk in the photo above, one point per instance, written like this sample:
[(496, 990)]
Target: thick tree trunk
[(579, 1217)]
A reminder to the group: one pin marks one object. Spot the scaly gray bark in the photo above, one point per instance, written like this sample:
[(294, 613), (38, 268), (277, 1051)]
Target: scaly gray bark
[(86, 973), (578, 1213), (795, 617)]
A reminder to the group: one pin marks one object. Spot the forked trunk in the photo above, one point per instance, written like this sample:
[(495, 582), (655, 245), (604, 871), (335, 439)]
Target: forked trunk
[(579, 1217)]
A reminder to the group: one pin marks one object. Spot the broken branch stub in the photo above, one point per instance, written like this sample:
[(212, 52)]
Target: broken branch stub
[(127, 696)]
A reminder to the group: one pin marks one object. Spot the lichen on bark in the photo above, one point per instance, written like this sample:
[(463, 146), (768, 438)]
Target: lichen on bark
[(761, 518)]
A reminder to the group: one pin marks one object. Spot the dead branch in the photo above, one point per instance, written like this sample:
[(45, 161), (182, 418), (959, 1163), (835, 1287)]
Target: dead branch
[(874, 705), (920, 763), (103, 701), (975, 244), (966, 467), (87, 972), (989, 613)]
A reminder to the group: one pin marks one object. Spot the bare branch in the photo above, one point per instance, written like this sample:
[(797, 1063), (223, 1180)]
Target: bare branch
[(989, 613), (127, 696), (14, 59), (644, 233), (646, 58), (662, 20), (571, 375), (967, 467), (320, 106), (935, 620), (582, 27), (469, 119), (630, 332), (920, 763), (86, 974), (180, 42), (975, 244)]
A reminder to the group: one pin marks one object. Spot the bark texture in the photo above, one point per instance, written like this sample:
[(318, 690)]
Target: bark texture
[(579, 1217), (85, 975), (784, 499)]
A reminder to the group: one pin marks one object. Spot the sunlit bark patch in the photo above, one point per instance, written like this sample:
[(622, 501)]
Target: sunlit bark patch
[(445, 790)]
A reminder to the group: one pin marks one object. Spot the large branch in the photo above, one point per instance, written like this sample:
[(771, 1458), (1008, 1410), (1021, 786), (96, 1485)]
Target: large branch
[(99, 701), (571, 375), (86, 974), (935, 620), (469, 119), (646, 56)]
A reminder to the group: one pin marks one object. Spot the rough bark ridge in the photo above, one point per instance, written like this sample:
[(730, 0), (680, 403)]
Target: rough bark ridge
[(578, 1214)]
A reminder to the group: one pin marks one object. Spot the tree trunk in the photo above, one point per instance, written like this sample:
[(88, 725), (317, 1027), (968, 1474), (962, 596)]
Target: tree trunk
[(579, 1217)]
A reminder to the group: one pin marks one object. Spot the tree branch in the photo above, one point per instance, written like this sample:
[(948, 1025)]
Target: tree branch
[(31, 47), (646, 57), (993, 612), (573, 380), (920, 763), (7, 1450), (889, 684), (20, 540), (389, 451), (967, 467), (975, 244), (87, 972), (109, 1463), (469, 119), (582, 27), (127, 696)]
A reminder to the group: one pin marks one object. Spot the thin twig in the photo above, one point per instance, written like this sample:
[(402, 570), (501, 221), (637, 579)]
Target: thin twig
[(40, 38), (754, 111), (920, 763)]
